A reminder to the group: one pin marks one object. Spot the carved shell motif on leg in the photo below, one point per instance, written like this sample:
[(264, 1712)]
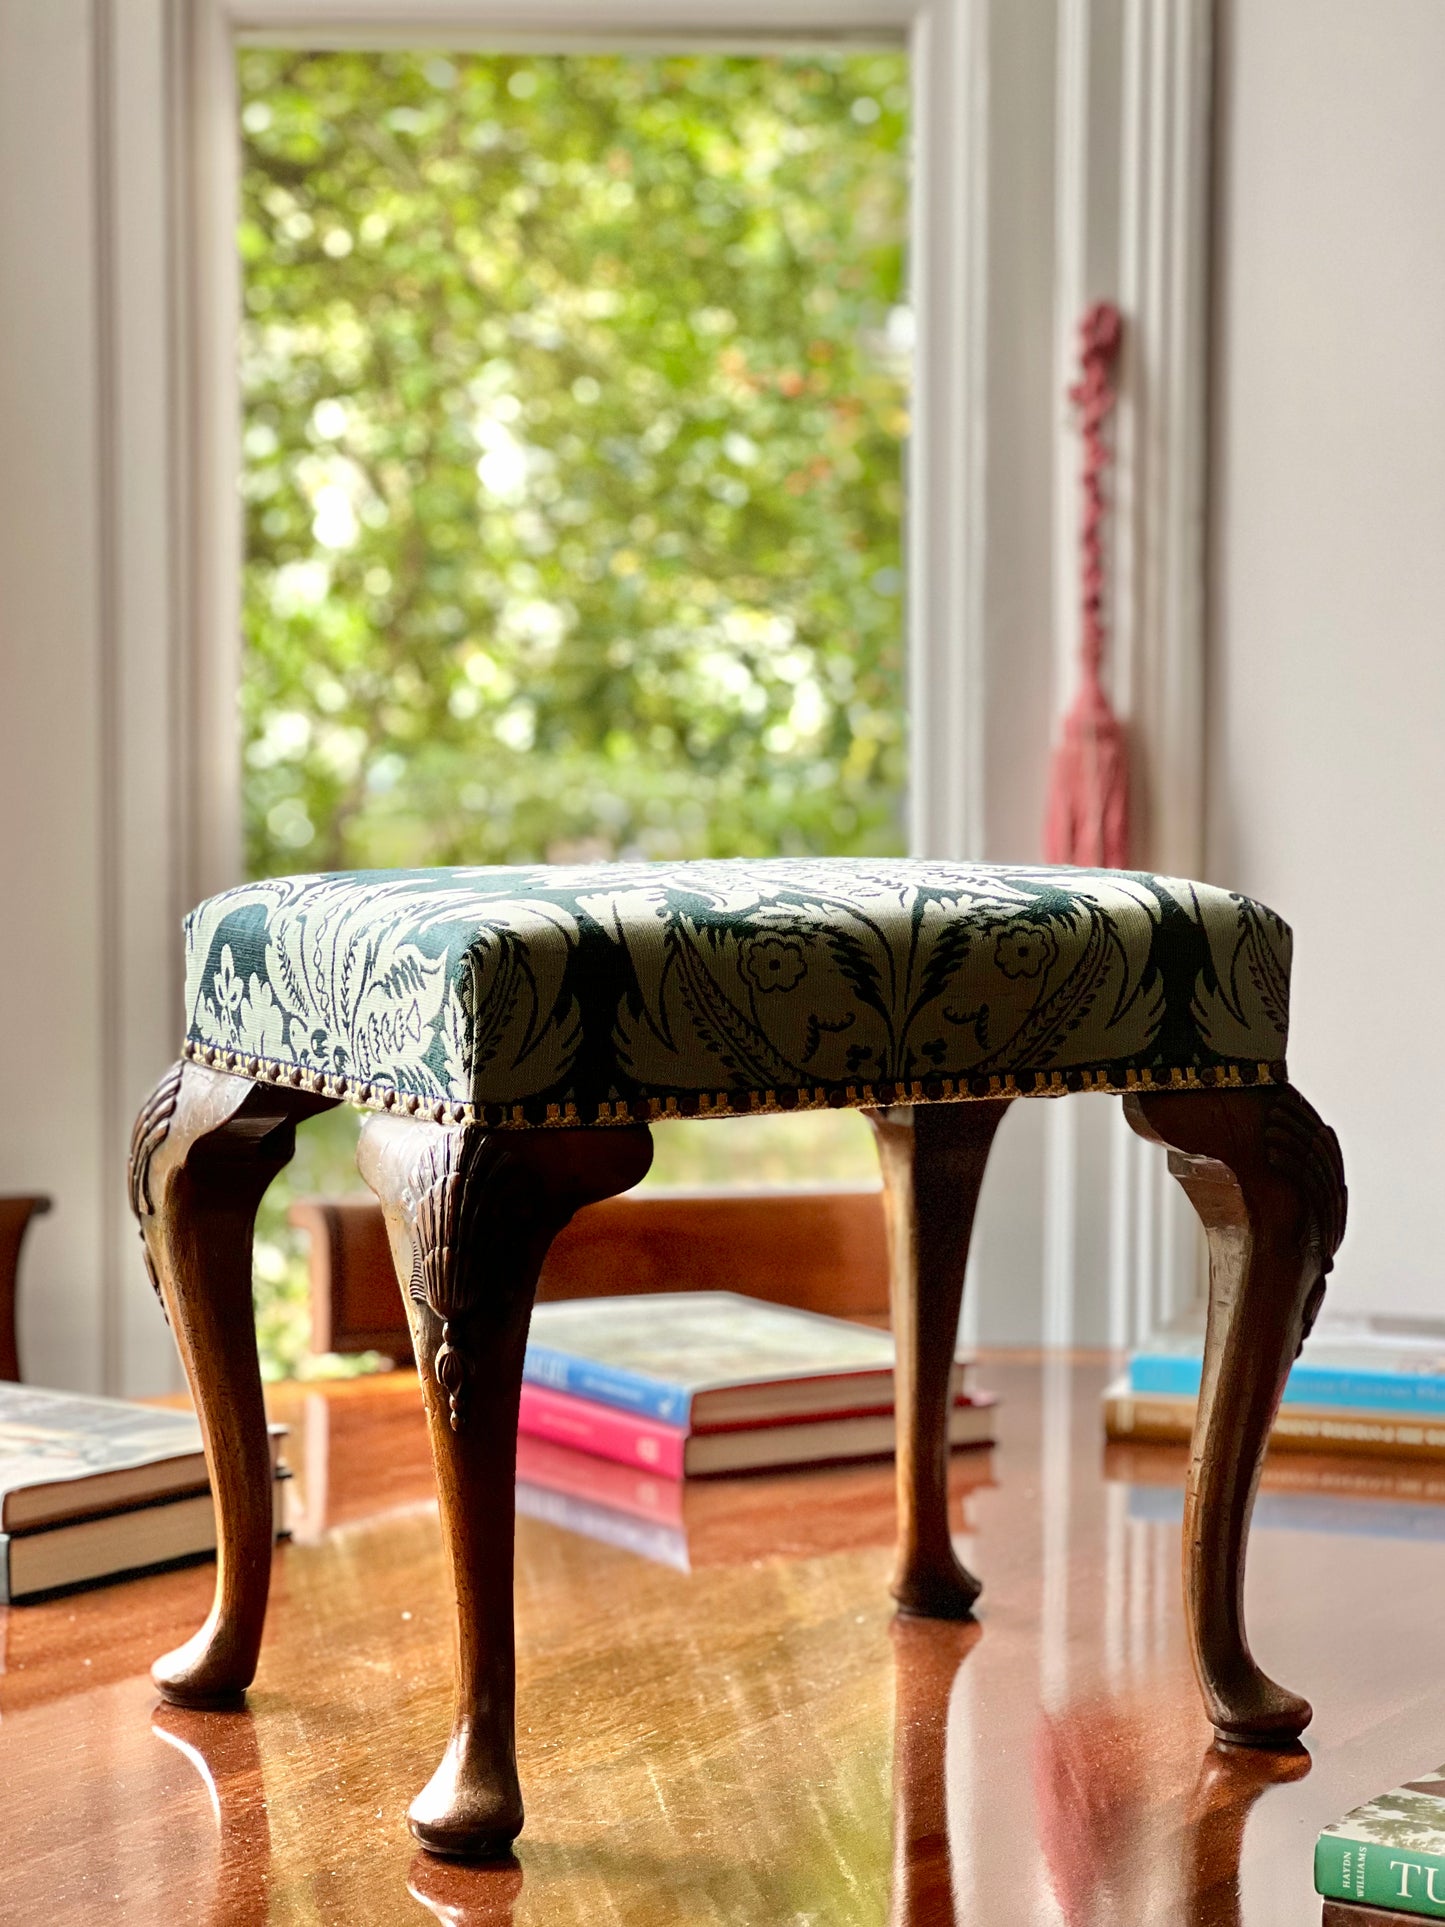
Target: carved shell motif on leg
[(152, 1127), (453, 1177), (1302, 1147)]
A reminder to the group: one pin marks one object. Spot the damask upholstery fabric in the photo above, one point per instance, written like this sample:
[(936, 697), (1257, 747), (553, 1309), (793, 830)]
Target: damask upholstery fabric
[(609, 992)]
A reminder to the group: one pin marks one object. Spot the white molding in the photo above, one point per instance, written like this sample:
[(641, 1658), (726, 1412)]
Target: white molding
[(948, 448), (566, 22), (143, 818), (1163, 445), (946, 534), (208, 149), (1133, 176)]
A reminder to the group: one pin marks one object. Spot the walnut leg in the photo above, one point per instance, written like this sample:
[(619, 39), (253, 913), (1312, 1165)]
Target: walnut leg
[(933, 1159), (471, 1214), (205, 1147), (1264, 1174)]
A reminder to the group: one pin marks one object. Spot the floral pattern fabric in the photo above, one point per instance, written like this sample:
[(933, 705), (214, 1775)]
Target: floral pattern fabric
[(600, 993)]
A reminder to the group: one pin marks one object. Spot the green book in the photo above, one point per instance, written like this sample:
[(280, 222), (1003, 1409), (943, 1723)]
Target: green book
[(1389, 1852)]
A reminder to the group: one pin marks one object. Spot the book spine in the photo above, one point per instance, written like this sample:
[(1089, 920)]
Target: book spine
[(622, 1436), (1375, 1875), (1161, 1421), (607, 1385), (1168, 1375)]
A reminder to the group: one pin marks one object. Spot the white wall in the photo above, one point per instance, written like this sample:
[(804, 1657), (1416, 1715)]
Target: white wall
[(50, 717), (89, 832), (1003, 1302), (1326, 766)]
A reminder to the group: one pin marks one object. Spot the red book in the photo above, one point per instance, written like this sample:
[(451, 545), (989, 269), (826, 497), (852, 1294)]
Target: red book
[(675, 1453)]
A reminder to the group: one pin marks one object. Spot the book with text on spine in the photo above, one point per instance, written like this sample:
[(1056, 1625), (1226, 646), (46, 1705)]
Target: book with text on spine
[(64, 1455), (705, 1359), (1372, 1374), (1390, 1852), (115, 1545), (1149, 1418)]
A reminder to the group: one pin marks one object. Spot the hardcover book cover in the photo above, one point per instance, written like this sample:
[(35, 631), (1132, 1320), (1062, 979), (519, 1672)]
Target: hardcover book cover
[(1390, 1852), (65, 1456), (699, 1359), (1380, 1374), (116, 1545), (1149, 1418), (674, 1452)]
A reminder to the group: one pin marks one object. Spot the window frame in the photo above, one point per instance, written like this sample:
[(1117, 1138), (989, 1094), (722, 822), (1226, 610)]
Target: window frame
[(945, 570), (1109, 97)]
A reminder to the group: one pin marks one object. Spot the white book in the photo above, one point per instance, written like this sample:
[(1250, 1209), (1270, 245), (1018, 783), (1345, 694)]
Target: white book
[(115, 1543), (64, 1455)]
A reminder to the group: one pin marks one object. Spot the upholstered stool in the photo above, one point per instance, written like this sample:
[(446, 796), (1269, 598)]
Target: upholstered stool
[(515, 1032)]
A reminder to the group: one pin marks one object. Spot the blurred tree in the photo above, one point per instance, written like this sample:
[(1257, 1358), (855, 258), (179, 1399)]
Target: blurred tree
[(575, 393)]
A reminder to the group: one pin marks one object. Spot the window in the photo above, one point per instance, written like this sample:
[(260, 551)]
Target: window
[(575, 394)]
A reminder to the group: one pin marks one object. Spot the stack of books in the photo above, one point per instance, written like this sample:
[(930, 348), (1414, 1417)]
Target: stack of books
[(684, 1384), (1370, 1386), (1386, 1861), (93, 1488)]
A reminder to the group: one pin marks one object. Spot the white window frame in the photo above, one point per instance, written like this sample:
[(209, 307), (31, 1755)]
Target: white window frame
[(1124, 122), (947, 41)]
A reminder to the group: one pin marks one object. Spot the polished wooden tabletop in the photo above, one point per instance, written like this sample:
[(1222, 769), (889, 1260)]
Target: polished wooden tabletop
[(753, 1741)]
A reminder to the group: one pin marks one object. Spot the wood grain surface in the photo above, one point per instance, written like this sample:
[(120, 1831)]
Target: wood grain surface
[(754, 1743)]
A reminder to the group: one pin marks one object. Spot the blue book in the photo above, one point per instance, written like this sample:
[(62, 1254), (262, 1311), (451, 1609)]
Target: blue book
[(705, 1360), (1346, 1378)]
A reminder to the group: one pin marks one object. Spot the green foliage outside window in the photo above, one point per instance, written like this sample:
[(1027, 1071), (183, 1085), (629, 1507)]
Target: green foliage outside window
[(575, 395)]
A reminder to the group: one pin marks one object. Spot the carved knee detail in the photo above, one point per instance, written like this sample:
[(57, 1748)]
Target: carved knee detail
[(1302, 1149), (151, 1129), (456, 1179)]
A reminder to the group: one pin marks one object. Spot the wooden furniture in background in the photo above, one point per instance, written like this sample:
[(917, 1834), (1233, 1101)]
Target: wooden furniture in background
[(15, 1215), (822, 1250)]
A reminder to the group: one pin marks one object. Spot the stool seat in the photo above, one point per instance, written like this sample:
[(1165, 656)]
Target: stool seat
[(626, 992)]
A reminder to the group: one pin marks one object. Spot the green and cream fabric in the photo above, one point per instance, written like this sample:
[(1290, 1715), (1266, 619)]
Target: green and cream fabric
[(600, 994)]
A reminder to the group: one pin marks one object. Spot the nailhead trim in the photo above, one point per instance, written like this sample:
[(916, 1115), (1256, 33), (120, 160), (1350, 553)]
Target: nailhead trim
[(369, 1096)]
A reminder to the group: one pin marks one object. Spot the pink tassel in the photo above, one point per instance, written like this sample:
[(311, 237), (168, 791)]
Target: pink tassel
[(1087, 820)]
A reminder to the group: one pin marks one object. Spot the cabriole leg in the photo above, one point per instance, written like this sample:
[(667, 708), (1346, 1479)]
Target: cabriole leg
[(1265, 1176), (471, 1214), (933, 1158), (205, 1147)]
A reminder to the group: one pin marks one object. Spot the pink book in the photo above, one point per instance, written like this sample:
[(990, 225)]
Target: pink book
[(674, 1453), (603, 1430)]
